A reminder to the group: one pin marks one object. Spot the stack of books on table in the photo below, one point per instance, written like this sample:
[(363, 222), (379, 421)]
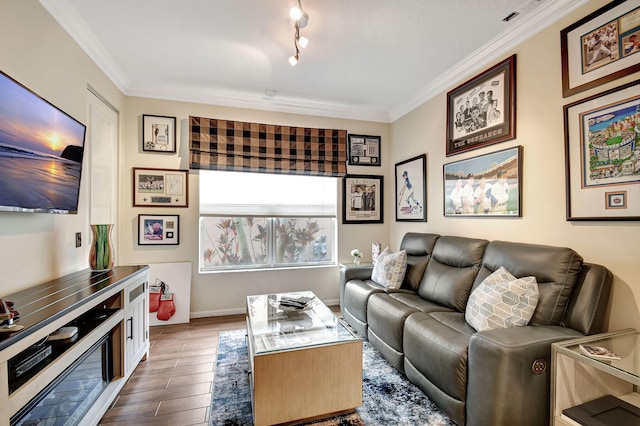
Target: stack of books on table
[(295, 303)]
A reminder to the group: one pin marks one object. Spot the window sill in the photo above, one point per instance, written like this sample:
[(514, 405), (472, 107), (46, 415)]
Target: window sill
[(286, 268)]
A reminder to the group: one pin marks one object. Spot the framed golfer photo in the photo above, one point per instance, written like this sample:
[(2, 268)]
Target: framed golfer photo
[(411, 189)]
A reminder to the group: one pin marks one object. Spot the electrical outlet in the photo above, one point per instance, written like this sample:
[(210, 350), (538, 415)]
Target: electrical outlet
[(78, 239)]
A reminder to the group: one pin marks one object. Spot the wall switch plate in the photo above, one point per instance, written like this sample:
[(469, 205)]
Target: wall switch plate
[(78, 239)]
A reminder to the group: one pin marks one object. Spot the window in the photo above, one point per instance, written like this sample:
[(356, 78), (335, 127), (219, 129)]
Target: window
[(257, 220)]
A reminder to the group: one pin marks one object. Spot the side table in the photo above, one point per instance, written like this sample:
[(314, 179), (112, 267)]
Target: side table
[(577, 378)]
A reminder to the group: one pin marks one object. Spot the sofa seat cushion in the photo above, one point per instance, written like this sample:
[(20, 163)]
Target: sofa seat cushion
[(436, 344), (415, 301), (502, 301), (386, 316), (356, 296)]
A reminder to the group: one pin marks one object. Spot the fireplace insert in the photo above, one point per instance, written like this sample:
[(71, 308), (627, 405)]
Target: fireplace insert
[(68, 398)]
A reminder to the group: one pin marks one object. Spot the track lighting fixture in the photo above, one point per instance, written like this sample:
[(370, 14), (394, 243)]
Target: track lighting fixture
[(301, 19)]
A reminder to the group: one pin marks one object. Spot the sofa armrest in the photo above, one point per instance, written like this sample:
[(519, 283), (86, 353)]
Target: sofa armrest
[(348, 273), (502, 384)]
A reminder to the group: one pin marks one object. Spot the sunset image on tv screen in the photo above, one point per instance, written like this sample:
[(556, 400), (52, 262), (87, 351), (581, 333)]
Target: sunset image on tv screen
[(41, 150)]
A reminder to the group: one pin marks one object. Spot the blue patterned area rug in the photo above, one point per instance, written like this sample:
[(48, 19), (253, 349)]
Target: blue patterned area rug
[(388, 396)]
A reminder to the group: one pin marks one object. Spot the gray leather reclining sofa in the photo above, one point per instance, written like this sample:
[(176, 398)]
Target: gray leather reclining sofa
[(489, 378)]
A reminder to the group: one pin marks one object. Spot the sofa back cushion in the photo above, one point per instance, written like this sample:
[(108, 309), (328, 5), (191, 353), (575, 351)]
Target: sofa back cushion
[(556, 269), (451, 271), (419, 247)]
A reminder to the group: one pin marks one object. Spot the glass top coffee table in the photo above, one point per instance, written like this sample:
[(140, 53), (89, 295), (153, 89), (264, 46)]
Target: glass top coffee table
[(305, 363)]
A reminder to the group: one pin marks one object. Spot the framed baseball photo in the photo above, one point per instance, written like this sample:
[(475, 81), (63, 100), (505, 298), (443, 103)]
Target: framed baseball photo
[(601, 47), (411, 189), (488, 185), (362, 200), (160, 187), (482, 111), (155, 229)]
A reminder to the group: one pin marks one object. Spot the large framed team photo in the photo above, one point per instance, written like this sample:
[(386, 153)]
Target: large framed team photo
[(482, 111), (488, 185)]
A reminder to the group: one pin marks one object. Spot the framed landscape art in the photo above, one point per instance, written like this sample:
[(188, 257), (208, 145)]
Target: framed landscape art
[(362, 199), (489, 185), (411, 189), (602, 155), (482, 111), (601, 47)]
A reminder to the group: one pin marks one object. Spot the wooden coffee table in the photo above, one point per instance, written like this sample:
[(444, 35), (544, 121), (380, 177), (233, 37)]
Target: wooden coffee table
[(305, 364)]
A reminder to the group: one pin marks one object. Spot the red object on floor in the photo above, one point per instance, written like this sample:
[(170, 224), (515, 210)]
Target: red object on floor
[(167, 307)]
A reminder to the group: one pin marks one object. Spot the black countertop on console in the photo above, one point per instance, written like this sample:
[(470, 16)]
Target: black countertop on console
[(44, 303)]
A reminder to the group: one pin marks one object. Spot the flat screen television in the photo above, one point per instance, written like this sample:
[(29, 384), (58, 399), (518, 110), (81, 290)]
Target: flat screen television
[(41, 151)]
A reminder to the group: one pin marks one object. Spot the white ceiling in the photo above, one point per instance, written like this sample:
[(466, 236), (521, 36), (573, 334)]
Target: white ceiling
[(367, 59)]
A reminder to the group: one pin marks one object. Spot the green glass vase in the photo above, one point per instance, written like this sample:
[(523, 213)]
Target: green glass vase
[(101, 254)]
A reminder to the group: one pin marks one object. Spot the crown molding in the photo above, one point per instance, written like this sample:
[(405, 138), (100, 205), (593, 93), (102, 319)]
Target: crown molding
[(262, 103), (536, 21), (69, 19)]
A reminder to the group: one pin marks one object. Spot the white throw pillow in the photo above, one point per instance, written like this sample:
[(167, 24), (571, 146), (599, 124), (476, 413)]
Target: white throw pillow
[(390, 268), (502, 301)]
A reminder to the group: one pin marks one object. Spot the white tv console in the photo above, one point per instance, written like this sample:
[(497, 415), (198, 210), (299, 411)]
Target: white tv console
[(110, 303)]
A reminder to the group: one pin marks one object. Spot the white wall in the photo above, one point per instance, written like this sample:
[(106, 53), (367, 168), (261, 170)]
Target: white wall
[(35, 51), (224, 293), (540, 132)]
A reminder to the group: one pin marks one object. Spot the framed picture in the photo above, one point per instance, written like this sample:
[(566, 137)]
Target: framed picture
[(364, 150), (362, 199), (156, 229), (158, 133), (411, 189), (160, 188), (601, 47), (482, 111), (489, 185), (602, 155)]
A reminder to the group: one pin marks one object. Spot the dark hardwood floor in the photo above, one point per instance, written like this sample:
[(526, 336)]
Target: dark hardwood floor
[(173, 386)]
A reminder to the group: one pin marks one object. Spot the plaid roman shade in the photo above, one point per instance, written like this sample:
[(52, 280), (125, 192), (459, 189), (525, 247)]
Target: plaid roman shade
[(267, 148)]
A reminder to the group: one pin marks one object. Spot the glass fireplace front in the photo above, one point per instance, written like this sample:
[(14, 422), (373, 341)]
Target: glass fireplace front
[(68, 398)]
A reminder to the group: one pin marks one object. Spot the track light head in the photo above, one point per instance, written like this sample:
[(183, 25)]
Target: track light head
[(301, 20)]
